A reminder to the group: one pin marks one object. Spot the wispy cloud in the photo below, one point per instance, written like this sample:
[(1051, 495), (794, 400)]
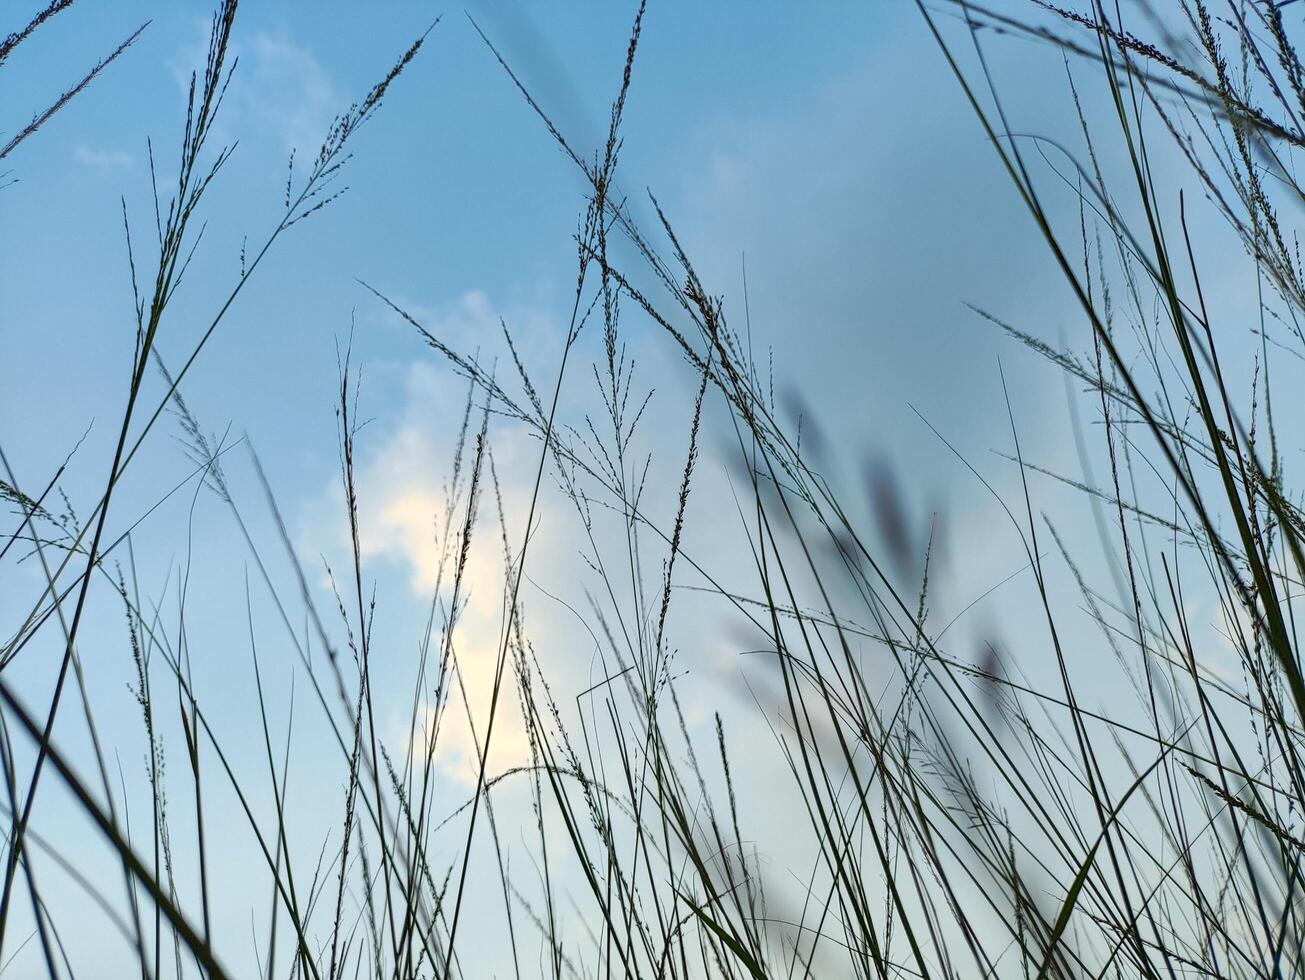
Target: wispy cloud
[(279, 86), (289, 91), (99, 159)]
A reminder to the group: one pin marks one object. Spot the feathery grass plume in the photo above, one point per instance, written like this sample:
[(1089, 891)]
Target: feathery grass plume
[(12, 41)]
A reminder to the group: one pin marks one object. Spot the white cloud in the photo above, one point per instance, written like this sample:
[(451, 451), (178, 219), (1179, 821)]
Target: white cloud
[(103, 159), (402, 483), (279, 85), (457, 749), (403, 463), (289, 91)]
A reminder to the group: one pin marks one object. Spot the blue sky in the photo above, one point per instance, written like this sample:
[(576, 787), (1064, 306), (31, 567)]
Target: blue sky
[(755, 126), (832, 149)]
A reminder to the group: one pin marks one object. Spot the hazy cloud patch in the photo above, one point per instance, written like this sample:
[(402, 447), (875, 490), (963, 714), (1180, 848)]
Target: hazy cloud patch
[(289, 92), (279, 85), (102, 159)]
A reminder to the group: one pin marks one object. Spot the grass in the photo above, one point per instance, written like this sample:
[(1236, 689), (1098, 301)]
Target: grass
[(963, 820)]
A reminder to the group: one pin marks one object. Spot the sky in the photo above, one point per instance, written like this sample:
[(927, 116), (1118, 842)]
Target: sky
[(830, 155)]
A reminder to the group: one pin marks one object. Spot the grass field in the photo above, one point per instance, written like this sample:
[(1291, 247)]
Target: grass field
[(1114, 788)]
